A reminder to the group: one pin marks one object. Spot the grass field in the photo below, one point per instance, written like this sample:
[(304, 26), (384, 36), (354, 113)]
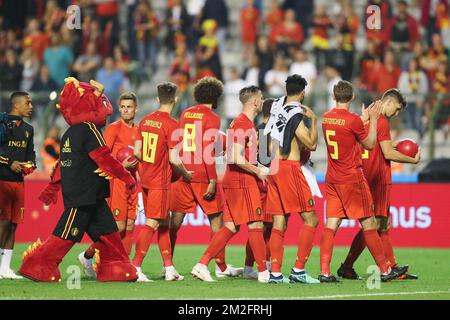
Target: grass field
[(432, 266)]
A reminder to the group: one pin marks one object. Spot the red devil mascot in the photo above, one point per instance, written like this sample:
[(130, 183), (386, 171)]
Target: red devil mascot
[(82, 172)]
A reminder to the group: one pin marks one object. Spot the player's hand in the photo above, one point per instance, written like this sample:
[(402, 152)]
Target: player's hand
[(127, 164), (188, 176), (394, 144), (211, 191), (27, 168), (365, 112), (308, 112), (375, 110), (417, 157), (261, 175), (16, 166)]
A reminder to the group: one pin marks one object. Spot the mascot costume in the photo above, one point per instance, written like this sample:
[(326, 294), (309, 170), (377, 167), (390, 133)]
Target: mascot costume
[(82, 172)]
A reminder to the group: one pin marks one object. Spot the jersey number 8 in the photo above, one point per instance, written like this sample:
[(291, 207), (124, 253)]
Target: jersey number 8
[(189, 138)]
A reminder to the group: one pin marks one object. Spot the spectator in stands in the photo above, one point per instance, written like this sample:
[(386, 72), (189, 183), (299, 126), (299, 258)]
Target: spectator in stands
[(58, 58), (251, 74), (441, 80), (320, 39), (303, 12), (43, 85), (176, 21), (12, 41), (231, 92), (193, 8), (50, 149), (369, 59), (341, 59), (113, 80), (288, 34), (36, 39), (250, 24), (413, 84), (275, 16), (333, 77), (217, 10), (30, 68), (53, 16), (378, 36), (10, 72), (276, 77), (402, 31), (348, 26), (385, 75), (107, 12), (43, 82), (265, 58), (146, 24), (304, 67), (208, 58), (86, 65), (443, 23), (418, 53), (436, 54), (429, 16), (93, 33), (179, 72)]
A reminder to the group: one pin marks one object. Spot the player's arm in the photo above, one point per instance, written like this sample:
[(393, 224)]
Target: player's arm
[(210, 165), (369, 141), (308, 137), (138, 149), (177, 164), (30, 165), (238, 158), (390, 153), (111, 133)]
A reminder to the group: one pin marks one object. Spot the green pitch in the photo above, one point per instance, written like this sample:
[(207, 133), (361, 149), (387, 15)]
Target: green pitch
[(431, 265)]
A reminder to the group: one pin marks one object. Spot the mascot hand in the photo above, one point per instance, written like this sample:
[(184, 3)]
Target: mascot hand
[(50, 194)]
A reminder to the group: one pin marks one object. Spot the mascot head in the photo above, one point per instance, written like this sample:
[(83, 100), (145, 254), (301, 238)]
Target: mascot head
[(84, 102)]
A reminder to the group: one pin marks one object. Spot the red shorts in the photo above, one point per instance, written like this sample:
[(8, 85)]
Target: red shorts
[(123, 205), (12, 201), (349, 201), (288, 190), (263, 192), (185, 197), (156, 203), (242, 205), (381, 195)]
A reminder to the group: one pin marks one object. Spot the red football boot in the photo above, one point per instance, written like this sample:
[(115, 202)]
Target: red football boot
[(41, 260), (114, 264)]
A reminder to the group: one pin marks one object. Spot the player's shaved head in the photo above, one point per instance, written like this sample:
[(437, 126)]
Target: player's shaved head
[(295, 85), (167, 92), (267, 106), (343, 91), (247, 93), (395, 94), (17, 96), (208, 90)]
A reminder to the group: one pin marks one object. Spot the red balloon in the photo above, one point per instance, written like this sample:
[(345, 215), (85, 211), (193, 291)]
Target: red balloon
[(304, 156), (408, 147), (124, 153)]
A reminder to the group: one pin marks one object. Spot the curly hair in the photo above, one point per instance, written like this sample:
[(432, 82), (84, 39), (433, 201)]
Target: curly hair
[(208, 90)]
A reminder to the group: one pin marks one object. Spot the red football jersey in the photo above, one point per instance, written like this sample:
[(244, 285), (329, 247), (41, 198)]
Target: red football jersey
[(377, 169), (342, 131), (155, 132), (119, 135), (242, 130), (200, 127)]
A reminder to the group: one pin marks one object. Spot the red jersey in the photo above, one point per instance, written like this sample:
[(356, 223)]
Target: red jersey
[(249, 22), (377, 169), (342, 130), (119, 135), (242, 131), (155, 132), (200, 127)]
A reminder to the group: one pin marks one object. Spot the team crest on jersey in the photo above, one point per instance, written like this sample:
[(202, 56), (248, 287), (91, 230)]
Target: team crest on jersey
[(116, 212), (66, 147), (258, 211), (74, 232), (311, 202)]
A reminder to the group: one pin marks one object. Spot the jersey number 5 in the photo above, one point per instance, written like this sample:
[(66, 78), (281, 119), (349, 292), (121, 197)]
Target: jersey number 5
[(189, 138), (150, 141), (333, 144)]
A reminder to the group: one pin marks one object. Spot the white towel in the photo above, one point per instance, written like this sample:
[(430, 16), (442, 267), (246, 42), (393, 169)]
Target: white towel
[(311, 179)]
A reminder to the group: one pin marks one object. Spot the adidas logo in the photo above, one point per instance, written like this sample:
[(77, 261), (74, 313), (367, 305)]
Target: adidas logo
[(66, 147)]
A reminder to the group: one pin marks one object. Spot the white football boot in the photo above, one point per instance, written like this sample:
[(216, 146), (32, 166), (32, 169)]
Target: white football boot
[(172, 275), (230, 271), (200, 271)]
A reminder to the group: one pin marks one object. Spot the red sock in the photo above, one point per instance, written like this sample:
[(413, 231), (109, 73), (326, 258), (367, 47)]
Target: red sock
[(305, 244), (218, 243), (276, 249), (267, 233), (165, 246), (142, 245), (90, 252), (127, 241), (326, 250), (220, 257), (249, 258), (357, 247), (388, 248), (375, 246), (256, 239)]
